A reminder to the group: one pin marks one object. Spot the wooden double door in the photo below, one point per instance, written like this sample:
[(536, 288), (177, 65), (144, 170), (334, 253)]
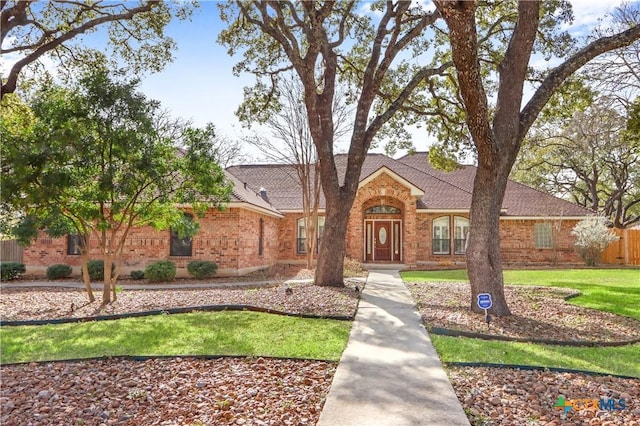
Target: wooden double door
[(383, 240)]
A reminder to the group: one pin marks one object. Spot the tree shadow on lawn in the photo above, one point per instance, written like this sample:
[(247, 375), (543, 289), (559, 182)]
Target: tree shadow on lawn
[(538, 313)]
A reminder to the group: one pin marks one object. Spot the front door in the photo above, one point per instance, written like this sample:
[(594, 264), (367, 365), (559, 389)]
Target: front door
[(382, 240)]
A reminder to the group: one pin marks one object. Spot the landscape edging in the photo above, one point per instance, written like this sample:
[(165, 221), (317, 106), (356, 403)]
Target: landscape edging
[(206, 308), (142, 358), (440, 331), (535, 368)]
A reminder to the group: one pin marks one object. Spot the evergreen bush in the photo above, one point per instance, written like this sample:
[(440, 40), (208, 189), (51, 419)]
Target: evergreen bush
[(58, 271), (137, 275), (202, 268), (96, 269), (161, 271), (11, 270)]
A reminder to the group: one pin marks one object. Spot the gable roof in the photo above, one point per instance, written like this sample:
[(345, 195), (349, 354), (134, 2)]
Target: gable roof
[(435, 190), (415, 190)]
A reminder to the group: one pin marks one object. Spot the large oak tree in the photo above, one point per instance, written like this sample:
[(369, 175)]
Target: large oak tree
[(497, 133), (290, 143), (591, 158), (322, 43)]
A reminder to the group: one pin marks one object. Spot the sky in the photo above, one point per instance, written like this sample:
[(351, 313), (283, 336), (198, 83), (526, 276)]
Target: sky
[(199, 84)]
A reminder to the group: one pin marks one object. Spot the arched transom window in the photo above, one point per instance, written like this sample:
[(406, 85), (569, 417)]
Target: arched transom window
[(382, 210)]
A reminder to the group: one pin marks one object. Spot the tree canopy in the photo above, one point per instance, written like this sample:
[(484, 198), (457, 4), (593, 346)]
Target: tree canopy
[(324, 43), (91, 160), (590, 159), (481, 51), (582, 147), (498, 130), (30, 30)]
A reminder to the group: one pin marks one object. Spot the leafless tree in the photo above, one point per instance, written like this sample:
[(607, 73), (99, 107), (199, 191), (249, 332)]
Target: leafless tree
[(291, 143)]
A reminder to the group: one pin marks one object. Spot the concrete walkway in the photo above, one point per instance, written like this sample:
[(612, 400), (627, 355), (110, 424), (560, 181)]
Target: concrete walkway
[(390, 373)]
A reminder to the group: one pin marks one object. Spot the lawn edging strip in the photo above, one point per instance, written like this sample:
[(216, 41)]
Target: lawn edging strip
[(535, 368), (185, 310), (575, 343), (142, 358)]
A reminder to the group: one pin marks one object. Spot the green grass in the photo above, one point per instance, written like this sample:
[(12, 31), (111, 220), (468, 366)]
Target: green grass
[(217, 333), (610, 290), (614, 360)]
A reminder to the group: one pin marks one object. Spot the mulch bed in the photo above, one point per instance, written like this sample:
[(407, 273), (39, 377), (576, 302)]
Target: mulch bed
[(506, 396), (176, 391), (538, 313), (225, 391)]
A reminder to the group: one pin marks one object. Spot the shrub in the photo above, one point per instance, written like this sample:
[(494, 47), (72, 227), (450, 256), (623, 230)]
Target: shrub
[(96, 269), (11, 270), (352, 268), (592, 238), (202, 268), (161, 271), (57, 271), (137, 275)]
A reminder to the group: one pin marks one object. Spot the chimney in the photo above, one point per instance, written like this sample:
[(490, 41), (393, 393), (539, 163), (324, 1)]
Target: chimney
[(245, 185)]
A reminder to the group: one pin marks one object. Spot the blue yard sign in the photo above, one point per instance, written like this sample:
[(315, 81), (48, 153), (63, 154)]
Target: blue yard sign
[(484, 301)]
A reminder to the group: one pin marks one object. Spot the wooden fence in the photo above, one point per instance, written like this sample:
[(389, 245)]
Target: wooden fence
[(10, 251), (625, 251)]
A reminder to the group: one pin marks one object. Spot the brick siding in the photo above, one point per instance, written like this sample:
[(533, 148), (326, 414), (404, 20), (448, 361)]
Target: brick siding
[(231, 238), (225, 237)]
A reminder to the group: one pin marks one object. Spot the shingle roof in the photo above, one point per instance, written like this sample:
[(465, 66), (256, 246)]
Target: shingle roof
[(244, 194), (442, 190), (519, 200)]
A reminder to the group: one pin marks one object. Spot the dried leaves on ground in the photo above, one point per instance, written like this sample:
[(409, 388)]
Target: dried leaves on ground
[(176, 391), (494, 396), (537, 313), (186, 391), (303, 298)]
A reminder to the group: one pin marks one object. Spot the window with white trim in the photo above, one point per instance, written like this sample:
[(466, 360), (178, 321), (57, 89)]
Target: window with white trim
[(460, 233), (441, 242), (543, 237), (301, 245)]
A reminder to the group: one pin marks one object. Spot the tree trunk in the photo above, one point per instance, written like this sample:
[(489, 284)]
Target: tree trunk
[(84, 254), (484, 264), (106, 287), (330, 267)]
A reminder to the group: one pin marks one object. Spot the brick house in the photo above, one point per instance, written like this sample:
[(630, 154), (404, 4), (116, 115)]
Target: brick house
[(405, 212)]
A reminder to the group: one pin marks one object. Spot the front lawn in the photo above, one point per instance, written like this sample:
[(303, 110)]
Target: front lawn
[(611, 290), (203, 333), (621, 360)]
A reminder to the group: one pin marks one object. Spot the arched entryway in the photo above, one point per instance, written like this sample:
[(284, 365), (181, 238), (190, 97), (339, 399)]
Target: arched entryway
[(383, 234)]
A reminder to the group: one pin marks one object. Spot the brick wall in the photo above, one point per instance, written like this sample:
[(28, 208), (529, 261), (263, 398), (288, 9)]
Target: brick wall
[(517, 244), (388, 191), (516, 236), (229, 238)]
